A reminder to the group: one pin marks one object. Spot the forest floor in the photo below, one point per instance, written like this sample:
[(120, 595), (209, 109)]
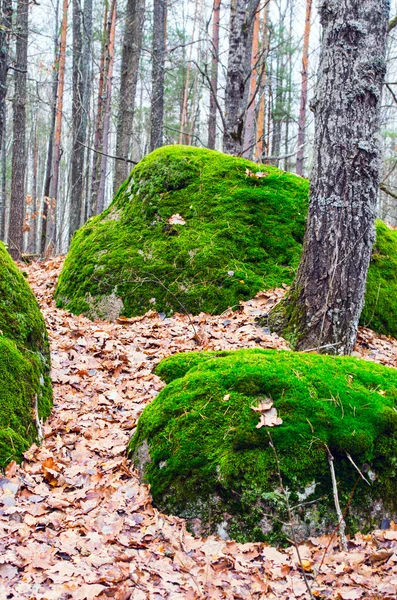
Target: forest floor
[(75, 522)]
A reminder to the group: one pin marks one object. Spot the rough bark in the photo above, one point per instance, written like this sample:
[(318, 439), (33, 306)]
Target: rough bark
[(214, 74), (323, 307), (77, 120), (241, 26), (132, 45), (158, 63), (303, 100), (17, 204)]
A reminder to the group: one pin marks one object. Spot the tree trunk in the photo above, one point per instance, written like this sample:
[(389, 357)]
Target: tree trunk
[(77, 119), (128, 84), (3, 181), (249, 129), (17, 205), (184, 126), (98, 136), (6, 15), (242, 18), (303, 104), (214, 74), (158, 63), (52, 206), (107, 110), (323, 307), (260, 127)]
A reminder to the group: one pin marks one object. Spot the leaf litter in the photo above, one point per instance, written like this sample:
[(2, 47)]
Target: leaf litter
[(75, 522)]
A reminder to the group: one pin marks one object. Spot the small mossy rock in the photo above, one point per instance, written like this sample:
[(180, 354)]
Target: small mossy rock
[(25, 386), (198, 446), (241, 234)]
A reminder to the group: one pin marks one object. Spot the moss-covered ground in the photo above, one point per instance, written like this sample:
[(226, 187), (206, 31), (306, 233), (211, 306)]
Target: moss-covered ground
[(24, 363), (208, 460), (242, 234)]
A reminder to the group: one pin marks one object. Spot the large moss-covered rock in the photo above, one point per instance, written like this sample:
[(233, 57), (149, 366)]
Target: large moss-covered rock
[(25, 388), (199, 447), (242, 234)]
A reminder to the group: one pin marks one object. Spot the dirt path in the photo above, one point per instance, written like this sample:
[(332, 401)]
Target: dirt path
[(76, 523)]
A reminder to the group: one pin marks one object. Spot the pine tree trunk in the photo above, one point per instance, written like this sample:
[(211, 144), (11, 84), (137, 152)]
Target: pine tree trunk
[(303, 103), (158, 63), (242, 18), (129, 78), (323, 307), (214, 74), (17, 205)]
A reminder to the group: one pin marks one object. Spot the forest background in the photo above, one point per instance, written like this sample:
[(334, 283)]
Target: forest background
[(66, 103)]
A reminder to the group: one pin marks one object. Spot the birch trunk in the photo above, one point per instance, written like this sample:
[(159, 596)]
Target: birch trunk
[(323, 307), (129, 78), (17, 204)]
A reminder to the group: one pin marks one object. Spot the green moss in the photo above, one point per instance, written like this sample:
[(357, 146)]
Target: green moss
[(209, 461), (242, 234), (380, 309), (24, 363)]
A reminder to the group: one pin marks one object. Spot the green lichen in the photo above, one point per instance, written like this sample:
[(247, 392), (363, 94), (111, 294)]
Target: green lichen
[(199, 448), (242, 234), (24, 363)]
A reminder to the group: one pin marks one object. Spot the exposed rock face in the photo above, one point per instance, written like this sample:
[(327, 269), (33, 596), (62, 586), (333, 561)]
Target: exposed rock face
[(25, 388), (199, 445)]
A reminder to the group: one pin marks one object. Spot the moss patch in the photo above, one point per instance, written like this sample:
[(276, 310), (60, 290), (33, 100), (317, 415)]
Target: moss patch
[(24, 363), (198, 446), (242, 234)]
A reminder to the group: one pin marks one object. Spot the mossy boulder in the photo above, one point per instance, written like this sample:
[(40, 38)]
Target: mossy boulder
[(198, 446), (25, 387), (243, 232)]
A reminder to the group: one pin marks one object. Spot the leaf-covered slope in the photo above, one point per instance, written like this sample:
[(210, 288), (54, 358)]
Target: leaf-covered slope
[(242, 234), (24, 363), (199, 447)]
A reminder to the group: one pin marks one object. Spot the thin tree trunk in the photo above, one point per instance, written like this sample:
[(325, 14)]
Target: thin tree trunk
[(249, 129), (98, 135), (132, 46), (33, 207), (107, 110), (77, 119), (303, 103), (260, 126), (158, 64), (3, 180), (17, 205), (87, 84), (51, 224), (323, 307), (6, 17), (214, 74), (183, 135), (242, 17)]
